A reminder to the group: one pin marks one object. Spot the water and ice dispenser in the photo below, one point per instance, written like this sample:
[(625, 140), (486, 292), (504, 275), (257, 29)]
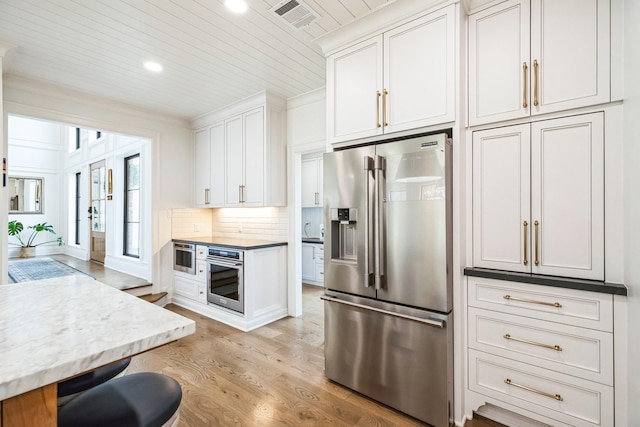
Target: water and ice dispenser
[(344, 230)]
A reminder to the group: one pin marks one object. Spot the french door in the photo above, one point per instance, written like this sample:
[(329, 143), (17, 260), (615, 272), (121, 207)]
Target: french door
[(97, 210)]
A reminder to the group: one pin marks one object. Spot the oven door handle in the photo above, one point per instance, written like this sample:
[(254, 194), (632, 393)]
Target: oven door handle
[(222, 262)]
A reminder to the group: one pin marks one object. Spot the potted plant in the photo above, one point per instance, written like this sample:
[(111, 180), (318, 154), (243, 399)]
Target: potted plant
[(27, 246)]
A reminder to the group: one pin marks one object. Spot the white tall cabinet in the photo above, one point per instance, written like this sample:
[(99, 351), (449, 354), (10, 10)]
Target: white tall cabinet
[(529, 57), (401, 79), (538, 197), (311, 175), (240, 154)]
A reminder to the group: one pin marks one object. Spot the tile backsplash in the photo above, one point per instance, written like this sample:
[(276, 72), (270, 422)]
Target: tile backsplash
[(312, 219), (240, 223), (190, 223), (270, 223)]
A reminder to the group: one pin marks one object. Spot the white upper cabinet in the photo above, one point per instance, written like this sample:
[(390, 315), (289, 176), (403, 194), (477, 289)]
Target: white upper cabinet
[(567, 196), (354, 85), (209, 166), (202, 169), (399, 80), (538, 197), (529, 57), (501, 198), (312, 182), (245, 162)]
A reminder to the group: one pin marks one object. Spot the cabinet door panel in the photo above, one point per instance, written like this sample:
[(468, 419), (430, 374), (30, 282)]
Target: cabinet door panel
[(217, 165), (570, 40), (254, 157), (419, 72), (308, 262), (498, 48), (309, 177), (501, 174), (567, 196), (234, 160), (202, 176), (354, 76)]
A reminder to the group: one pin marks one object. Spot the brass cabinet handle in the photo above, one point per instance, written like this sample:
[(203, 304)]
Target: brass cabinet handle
[(535, 82), (524, 80), (206, 196), (552, 347), (526, 241), (384, 107), (378, 109), (531, 301), (241, 194), (533, 390), (537, 226)]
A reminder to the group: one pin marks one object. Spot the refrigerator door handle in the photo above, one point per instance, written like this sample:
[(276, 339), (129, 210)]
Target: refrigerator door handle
[(368, 168), (431, 322), (379, 220)]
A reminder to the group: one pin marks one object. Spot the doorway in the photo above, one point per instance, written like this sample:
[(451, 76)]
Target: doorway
[(97, 209)]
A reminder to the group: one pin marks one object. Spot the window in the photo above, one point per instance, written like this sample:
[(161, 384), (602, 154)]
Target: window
[(132, 206), (73, 139), (78, 208), (94, 135)]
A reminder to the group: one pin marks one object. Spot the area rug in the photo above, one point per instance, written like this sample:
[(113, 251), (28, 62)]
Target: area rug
[(24, 270)]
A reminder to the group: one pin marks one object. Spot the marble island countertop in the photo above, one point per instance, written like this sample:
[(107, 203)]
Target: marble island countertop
[(57, 328), (228, 242)]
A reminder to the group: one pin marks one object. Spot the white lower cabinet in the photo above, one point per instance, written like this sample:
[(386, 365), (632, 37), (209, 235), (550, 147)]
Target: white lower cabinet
[(313, 263), (541, 351), (189, 287), (265, 289)]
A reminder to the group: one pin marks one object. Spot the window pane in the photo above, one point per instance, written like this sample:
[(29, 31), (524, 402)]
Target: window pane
[(133, 206), (133, 247), (133, 173)]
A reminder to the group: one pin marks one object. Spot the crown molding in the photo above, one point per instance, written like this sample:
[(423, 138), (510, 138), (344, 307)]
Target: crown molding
[(13, 82), (377, 21)]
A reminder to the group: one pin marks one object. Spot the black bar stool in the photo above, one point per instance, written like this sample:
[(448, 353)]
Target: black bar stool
[(145, 399), (71, 388)]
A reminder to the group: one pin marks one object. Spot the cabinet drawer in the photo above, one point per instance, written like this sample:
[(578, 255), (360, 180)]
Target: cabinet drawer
[(558, 396), (585, 353), (567, 306), (201, 270), (320, 272), (202, 251)]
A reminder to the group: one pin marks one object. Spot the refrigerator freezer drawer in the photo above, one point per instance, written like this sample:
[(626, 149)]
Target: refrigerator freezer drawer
[(402, 361)]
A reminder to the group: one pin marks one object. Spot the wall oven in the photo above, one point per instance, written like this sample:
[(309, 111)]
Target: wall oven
[(225, 278), (184, 257)]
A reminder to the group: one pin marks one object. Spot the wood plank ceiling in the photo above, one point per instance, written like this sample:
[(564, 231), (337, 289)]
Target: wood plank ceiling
[(211, 57)]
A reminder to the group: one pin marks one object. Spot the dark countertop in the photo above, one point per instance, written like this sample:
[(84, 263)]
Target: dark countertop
[(539, 279), (228, 242), (312, 240)]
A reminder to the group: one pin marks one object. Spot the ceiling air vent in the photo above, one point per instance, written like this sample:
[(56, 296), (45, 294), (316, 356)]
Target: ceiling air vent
[(295, 13)]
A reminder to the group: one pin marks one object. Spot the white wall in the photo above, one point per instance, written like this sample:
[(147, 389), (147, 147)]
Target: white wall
[(631, 137), (171, 151), (306, 133), (34, 150), (4, 278)]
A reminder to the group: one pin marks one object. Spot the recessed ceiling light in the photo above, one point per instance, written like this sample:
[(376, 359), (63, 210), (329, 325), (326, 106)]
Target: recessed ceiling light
[(153, 66), (237, 6)]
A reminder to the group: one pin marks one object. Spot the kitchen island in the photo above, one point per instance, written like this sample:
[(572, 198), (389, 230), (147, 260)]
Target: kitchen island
[(58, 328)]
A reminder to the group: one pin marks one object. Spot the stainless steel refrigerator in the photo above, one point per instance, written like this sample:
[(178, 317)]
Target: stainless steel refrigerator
[(388, 285)]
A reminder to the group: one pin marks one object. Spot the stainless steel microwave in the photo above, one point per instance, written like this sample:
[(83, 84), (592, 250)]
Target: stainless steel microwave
[(184, 257)]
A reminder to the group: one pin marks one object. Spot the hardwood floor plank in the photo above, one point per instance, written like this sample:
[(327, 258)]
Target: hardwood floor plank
[(273, 376)]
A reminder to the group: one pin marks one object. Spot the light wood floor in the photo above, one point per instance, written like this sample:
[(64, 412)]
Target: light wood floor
[(272, 376)]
